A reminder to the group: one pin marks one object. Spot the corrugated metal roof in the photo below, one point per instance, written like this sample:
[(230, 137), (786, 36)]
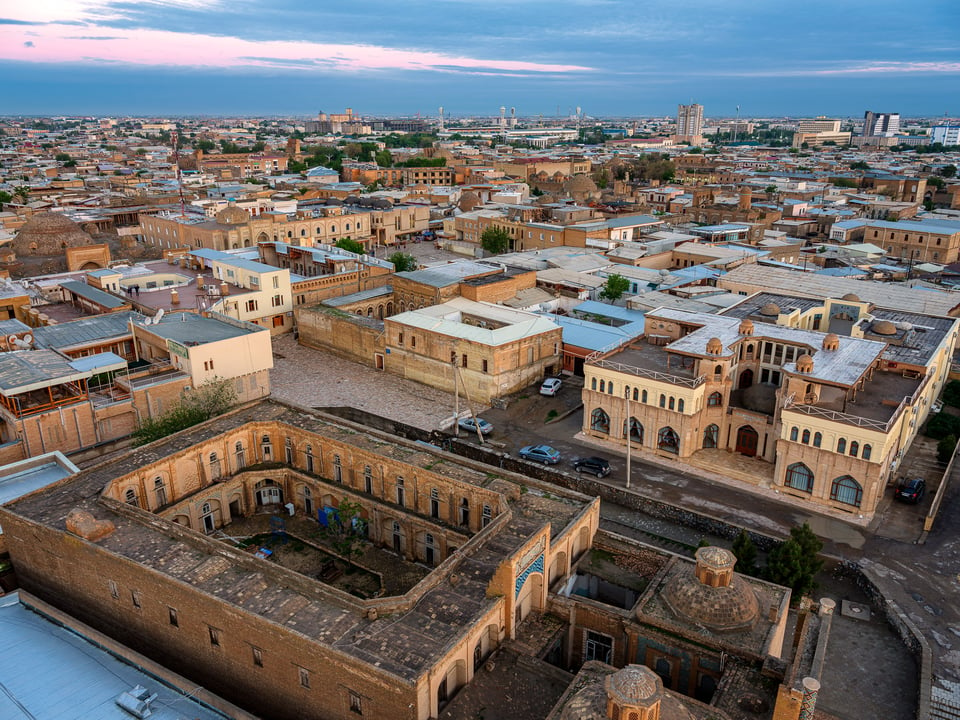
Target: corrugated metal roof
[(92, 294), (25, 370), (84, 330), (52, 673)]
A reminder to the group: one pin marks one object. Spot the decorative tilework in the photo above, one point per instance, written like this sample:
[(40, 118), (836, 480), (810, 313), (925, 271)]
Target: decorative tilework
[(535, 566)]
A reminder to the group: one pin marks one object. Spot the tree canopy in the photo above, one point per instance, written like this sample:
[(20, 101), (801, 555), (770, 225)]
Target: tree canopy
[(796, 562), (403, 262), (614, 288), (495, 240), (208, 400), (350, 245)]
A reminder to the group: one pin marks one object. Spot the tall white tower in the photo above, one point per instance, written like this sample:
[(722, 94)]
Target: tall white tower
[(441, 119)]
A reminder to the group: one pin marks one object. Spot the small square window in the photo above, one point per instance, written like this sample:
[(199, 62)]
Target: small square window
[(174, 619), (304, 677), (356, 703)]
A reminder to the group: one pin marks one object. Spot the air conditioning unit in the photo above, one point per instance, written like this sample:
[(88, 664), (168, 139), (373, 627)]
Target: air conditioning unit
[(137, 702)]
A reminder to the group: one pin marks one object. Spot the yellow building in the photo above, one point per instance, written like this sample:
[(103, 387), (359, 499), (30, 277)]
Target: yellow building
[(829, 393)]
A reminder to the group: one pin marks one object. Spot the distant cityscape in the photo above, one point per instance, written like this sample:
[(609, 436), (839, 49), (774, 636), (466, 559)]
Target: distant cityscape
[(480, 416)]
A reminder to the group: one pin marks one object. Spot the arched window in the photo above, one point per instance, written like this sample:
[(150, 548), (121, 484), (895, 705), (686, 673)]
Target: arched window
[(867, 450), (337, 469), (805, 438), (367, 479), (718, 370), (610, 388), (794, 434), (434, 503), (159, 491), (842, 445), (131, 497), (308, 452), (636, 430), (600, 421), (593, 383), (711, 435), (663, 400), (799, 477), (636, 394), (680, 405), (854, 448), (205, 509), (603, 386), (714, 399), (817, 439), (668, 440), (670, 404), (643, 396), (846, 490)]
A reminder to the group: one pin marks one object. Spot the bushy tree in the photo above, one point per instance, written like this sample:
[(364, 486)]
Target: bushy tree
[(746, 553), (206, 401), (796, 562), (346, 529), (350, 245), (403, 262), (614, 288), (951, 393), (943, 424), (495, 240), (946, 447)]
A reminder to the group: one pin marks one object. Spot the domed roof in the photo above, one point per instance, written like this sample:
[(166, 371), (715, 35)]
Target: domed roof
[(805, 363), (633, 685), (733, 607), (851, 297), (48, 233), (831, 341), (770, 310), (469, 201), (232, 215), (746, 327), (580, 184), (714, 346), (884, 327)]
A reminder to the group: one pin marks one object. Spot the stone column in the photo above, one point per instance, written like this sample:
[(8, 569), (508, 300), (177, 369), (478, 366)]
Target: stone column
[(809, 700)]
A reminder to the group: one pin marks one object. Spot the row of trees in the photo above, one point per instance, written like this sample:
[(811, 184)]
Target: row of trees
[(794, 563)]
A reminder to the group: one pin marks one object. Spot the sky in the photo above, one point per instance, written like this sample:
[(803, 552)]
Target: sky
[(543, 57)]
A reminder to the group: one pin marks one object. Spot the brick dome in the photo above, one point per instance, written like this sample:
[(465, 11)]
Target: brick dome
[(805, 364), (48, 234), (711, 595), (746, 327), (469, 201), (831, 341), (232, 215), (770, 310), (884, 327), (714, 346)]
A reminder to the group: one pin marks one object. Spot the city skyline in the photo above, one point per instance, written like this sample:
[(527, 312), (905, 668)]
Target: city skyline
[(210, 57)]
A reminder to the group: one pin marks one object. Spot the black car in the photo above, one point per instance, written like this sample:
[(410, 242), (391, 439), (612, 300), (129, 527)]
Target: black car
[(911, 491), (595, 465)]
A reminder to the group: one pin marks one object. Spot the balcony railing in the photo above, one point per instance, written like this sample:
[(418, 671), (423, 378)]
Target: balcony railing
[(651, 374), (842, 417)]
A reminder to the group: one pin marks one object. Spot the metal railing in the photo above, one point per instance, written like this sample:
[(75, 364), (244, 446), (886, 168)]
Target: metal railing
[(842, 417), (652, 374)]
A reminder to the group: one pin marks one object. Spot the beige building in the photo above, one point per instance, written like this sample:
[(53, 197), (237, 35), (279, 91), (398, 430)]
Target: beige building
[(252, 292), (829, 393), (489, 351)]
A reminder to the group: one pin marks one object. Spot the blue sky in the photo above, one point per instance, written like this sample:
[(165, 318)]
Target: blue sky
[(295, 57)]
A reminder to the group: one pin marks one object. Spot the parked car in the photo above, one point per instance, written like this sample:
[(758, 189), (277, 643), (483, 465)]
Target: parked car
[(594, 465), (550, 386), (470, 425), (540, 453), (911, 491)]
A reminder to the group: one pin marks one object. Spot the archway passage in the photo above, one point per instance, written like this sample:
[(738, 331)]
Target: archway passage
[(746, 378), (747, 439)]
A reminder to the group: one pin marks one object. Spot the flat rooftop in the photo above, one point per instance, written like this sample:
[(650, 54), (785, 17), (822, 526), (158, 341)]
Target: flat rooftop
[(189, 328)]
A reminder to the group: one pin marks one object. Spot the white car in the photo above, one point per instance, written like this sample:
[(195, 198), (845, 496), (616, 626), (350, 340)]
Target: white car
[(550, 386)]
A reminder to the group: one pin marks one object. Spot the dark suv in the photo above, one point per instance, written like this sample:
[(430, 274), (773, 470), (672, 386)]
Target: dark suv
[(910, 491), (594, 465)]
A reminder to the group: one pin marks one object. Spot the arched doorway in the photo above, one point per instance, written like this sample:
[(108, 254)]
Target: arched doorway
[(747, 439), (746, 378)]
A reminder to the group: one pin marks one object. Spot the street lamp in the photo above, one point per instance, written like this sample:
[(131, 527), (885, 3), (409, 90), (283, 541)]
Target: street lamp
[(626, 400)]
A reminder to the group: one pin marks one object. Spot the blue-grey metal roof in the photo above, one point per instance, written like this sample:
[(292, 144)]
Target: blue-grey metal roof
[(83, 331), (595, 336), (52, 673), (11, 326), (101, 362), (593, 307), (23, 477), (842, 272), (94, 295), (191, 329)]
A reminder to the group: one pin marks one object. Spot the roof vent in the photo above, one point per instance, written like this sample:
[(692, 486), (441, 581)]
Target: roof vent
[(137, 701)]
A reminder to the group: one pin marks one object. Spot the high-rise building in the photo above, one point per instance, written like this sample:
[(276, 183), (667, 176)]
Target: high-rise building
[(880, 124), (818, 125), (945, 134), (689, 120)]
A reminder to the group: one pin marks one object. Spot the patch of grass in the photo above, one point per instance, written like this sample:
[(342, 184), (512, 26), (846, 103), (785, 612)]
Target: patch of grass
[(522, 397), (551, 415)]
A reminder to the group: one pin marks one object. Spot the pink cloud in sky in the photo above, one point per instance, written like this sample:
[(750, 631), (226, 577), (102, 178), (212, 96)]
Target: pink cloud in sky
[(91, 43)]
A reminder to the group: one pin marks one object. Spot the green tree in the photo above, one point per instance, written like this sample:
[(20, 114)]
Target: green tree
[(346, 529), (208, 400), (771, 190), (495, 240), (614, 288), (941, 425), (62, 157), (22, 193), (746, 553), (859, 165), (936, 182), (948, 171), (204, 145), (946, 447), (796, 562), (383, 158), (951, 393), (350, 245), (5, 197), (403, 262)]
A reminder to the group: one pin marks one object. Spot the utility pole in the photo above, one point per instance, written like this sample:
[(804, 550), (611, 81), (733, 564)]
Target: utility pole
[(626, 398)]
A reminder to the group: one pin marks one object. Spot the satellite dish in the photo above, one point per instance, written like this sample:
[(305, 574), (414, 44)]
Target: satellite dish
[(158, 317), (28, 338), (12, 339), (21, 344)]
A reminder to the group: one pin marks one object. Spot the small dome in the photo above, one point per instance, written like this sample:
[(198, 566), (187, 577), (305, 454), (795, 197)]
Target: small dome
[(884, 327), (746, 327), (232, 215), (831, 341), (728, 605), (805, 364), (714, 346), (469, 201), (770, 310), (633, 685), (851, 297), (580, 185)]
